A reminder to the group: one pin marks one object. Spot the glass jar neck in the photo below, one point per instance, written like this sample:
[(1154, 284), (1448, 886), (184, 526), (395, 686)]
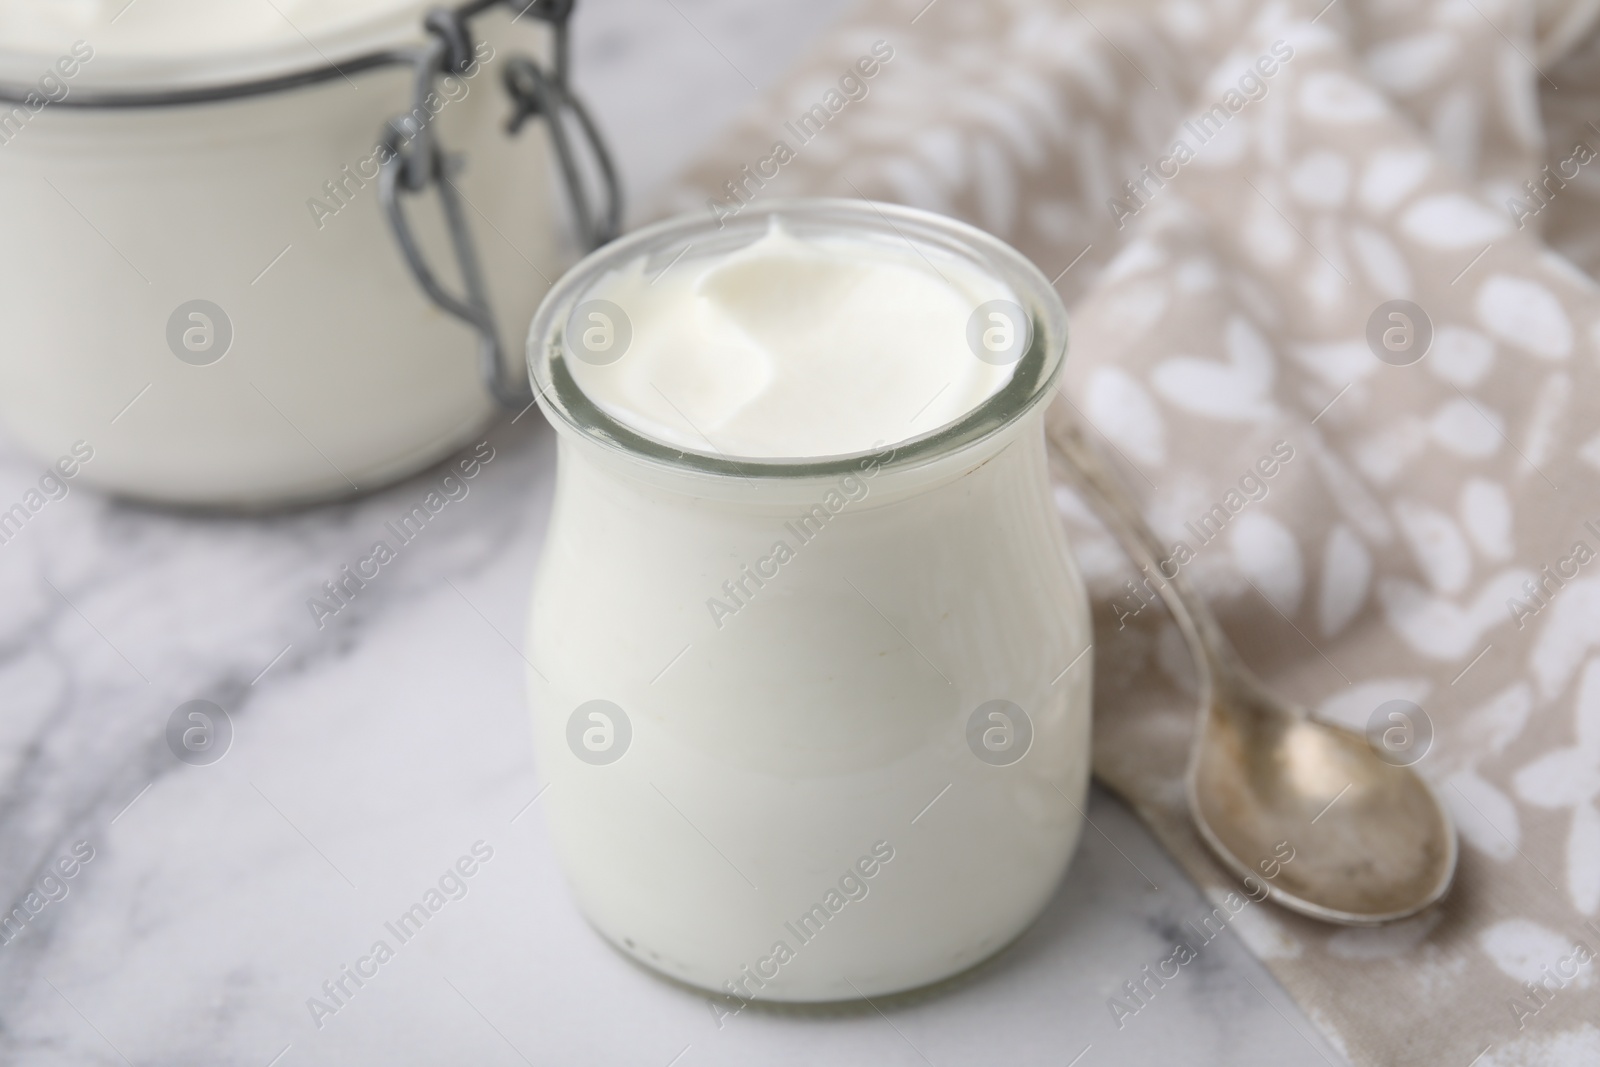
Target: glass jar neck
[(893, 472), (974, 436)]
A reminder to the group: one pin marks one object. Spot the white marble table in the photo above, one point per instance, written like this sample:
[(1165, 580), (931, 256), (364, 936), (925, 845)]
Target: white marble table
[(369, 755)]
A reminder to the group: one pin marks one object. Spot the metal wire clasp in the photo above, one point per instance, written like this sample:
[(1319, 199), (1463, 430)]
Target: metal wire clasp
[(415, 161)]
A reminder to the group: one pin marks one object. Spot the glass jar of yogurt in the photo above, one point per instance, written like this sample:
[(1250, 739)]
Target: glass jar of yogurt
[(199, 202), (807, 645)]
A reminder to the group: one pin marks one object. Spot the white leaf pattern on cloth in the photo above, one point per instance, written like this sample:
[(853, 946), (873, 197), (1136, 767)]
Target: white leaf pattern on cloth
[(1544, 422), (1485, 816), (1523, 948), (1266, 552), (1352, 707), (1352, 497), (1567, 630), (1525, 313), (1338, 363), (1331, 96), (1321, 179), (1439, 628), (1491, 728), (1383, 263), (1468, 429), (1437, 544), (1460, 356), (1563, 1048), (1408, 65), (1570, 778), (1346, 577), (1486, 516), (1590, 452), (1119, 407), (1391, 175), (1237, 389), (1453, 221)]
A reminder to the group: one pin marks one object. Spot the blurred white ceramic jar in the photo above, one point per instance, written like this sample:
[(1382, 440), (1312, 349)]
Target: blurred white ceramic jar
[(200, 279), (815, 723)]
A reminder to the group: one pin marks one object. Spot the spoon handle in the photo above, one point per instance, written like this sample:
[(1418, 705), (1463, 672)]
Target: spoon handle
[(1111, 500)]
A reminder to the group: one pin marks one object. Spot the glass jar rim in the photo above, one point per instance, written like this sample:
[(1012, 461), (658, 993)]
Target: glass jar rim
[(1035, 373)]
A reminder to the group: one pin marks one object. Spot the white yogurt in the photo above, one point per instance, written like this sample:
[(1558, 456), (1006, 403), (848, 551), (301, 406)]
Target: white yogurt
[(795, 347), (798, 786)]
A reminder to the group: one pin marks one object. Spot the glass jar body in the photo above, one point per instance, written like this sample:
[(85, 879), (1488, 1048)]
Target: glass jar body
[(817, 796)]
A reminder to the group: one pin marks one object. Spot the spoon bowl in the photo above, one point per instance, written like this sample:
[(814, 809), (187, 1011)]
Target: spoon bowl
[(1370, 842)]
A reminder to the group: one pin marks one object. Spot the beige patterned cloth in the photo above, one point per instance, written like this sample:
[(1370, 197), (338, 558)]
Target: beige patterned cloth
[(1430, 539)]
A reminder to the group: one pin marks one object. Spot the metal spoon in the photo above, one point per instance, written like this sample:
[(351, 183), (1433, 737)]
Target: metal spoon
[(1371, 842)]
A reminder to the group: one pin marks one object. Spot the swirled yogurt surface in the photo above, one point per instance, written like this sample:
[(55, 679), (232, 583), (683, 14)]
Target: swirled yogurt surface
[(793, 346)]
